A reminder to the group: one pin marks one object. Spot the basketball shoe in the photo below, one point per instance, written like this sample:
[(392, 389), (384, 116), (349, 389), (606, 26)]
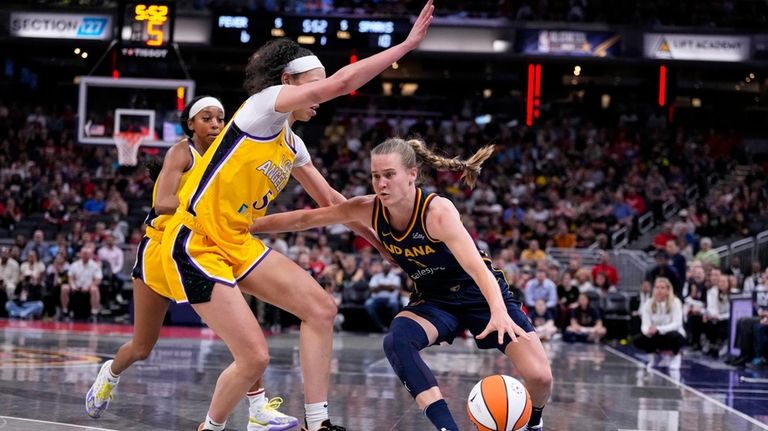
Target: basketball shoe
[(327, 426), (100, 394), (267, 418), (538, 427)]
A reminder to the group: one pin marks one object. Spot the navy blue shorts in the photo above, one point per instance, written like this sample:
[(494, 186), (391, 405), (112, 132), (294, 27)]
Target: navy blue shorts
[(467, 308)]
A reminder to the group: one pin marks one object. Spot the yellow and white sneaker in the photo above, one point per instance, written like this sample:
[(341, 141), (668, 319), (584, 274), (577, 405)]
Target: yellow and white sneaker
[(100, 394), (268, 418)]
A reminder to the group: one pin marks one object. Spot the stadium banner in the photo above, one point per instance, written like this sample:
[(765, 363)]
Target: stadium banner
[(49, 25), (701, 47), (569, 42)]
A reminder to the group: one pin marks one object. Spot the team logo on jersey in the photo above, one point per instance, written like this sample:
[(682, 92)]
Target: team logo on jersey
[(418, 235), (419, 250), (277, 173), (242, 209)]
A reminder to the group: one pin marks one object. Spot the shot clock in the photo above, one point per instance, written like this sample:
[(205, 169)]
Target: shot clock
[(148, 24)]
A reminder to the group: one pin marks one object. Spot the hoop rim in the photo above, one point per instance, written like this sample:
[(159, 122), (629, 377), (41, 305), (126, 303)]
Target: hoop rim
[(129, 138)]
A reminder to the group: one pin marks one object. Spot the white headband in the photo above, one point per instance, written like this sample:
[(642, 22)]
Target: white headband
[(303, 64), (204, 103)]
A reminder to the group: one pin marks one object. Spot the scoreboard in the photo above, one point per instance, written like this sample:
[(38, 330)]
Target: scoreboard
[(312, 31), (148, 24)]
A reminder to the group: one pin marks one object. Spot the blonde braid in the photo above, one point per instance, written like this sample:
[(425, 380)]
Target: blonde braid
[(470, 168)]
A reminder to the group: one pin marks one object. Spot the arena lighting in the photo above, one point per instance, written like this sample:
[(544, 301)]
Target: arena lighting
[(662, 85), (395, 66), (180, 97), (353, 59), (84, 55), (577, 71), (77, 50), (529, 98), (537, 92)]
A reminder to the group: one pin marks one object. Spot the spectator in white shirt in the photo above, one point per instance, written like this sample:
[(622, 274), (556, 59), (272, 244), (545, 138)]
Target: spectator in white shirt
[(717, 315), (33, 268), (84, 276), (662, 324), (384, 302), (112, 254), (9, 270)]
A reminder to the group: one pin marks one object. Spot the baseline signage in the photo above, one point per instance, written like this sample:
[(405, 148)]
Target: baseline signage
[(702, 47), (61, 25), (569, 42)]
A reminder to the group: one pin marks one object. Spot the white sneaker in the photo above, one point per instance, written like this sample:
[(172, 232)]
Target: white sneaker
[(674, 364), (651, 358), (268, 418), (100, 394)]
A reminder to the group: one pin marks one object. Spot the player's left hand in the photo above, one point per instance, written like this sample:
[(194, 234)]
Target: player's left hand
[(504, 324)]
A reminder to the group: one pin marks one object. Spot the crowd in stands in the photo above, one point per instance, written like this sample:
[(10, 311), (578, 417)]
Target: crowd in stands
[(72, 213), (716, 13)]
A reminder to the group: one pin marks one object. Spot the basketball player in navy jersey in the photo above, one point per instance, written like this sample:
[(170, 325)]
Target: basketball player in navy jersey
[(456, 286)]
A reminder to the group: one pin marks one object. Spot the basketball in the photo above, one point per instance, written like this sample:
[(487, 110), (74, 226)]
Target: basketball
[(499, 403)]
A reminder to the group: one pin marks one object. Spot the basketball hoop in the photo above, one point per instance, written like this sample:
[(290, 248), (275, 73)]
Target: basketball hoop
[(128, 144)]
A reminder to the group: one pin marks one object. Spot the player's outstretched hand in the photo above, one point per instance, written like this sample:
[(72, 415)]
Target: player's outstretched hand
[(420, 27), (504, 324)]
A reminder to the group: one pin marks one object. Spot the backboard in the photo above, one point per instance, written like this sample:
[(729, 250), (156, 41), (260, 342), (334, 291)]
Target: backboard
[(108, 106)]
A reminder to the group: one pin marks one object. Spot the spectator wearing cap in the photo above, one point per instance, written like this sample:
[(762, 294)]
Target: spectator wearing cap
[(604, 267), (708, 255), (683, 225), (39, 246)]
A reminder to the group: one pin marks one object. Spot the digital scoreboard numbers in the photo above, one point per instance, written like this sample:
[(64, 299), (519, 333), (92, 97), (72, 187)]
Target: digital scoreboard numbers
[(148, 24), (336, 32), (313, 32)]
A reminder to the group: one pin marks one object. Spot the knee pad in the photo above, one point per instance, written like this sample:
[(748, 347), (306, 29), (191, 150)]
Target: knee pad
[(401, 346)]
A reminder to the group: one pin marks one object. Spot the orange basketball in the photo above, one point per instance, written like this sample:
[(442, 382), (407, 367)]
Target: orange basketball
[(499, 403)]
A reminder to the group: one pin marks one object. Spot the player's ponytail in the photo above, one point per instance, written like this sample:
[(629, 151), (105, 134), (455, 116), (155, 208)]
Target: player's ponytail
[(266, 66), (153, 166), (414, 151)]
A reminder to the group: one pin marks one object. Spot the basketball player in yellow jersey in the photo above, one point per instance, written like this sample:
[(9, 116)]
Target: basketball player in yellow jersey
[(208, 248), (456, 286), (202, 120)]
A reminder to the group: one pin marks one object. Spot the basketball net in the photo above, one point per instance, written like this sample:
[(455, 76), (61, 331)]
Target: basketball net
[(128, 144)]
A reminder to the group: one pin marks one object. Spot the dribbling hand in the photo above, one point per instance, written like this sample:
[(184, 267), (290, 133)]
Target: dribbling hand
[(419, 29), (504, 324)]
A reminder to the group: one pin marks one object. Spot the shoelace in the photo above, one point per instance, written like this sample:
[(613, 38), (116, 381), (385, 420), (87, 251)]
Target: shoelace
[(105, 392), (273, 403)]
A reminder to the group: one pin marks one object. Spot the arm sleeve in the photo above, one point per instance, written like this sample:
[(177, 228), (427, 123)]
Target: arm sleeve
[(257, 116)]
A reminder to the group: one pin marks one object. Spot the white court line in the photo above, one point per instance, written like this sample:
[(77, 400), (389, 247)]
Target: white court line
[(688, 388), (53, 423)]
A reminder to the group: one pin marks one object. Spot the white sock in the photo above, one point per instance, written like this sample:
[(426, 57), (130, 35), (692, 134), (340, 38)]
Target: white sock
[(316, 413), (111, 377), (213, 426), (256, 399)]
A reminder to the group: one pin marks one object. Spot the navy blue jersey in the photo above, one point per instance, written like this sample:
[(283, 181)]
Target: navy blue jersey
[(429, 262)]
